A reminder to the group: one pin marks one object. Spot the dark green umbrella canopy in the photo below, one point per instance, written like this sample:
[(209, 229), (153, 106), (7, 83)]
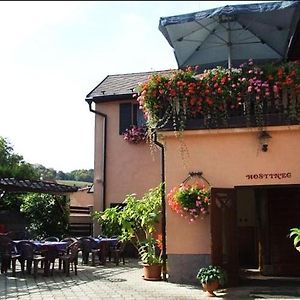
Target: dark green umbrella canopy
[(230, 35)]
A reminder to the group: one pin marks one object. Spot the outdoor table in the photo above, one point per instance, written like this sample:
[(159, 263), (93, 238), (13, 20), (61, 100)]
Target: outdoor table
[(42, 247), (103, 244), (60, 246)]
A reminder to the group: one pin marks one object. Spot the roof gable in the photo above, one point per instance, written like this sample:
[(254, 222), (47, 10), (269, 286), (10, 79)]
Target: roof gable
[(120, 85)]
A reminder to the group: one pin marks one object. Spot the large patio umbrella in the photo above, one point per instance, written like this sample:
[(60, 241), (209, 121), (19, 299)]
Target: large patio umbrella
[(230, 35)]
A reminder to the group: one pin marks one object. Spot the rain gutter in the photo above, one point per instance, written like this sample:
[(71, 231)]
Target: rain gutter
[(163, 206), (104, 116)]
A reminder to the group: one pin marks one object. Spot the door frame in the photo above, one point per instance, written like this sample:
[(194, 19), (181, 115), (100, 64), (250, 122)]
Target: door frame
[(224, 248), (225, 234)]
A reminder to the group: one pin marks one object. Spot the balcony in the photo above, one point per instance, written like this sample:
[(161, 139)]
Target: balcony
[(251, 96), (271, 113)]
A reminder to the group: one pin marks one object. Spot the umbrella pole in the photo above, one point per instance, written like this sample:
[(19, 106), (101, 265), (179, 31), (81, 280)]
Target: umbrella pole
[(229, 44)]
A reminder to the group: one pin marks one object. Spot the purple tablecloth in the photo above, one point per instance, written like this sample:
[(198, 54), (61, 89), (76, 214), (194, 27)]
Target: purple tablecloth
[(39, 245), (60, 246), (112, 241)]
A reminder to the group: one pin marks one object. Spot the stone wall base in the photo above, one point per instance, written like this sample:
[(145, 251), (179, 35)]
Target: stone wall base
[(183, 268)]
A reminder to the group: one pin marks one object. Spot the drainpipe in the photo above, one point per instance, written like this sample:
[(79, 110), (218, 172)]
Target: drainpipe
[(104, 116), (163, 206)]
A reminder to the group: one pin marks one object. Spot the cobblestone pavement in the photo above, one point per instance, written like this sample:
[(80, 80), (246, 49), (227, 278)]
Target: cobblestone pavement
[(122, 282)]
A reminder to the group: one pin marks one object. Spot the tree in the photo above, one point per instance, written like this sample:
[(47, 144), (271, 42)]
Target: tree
[(47, 215), (76, 175), (82, 175), (12, 164), (61, 175)]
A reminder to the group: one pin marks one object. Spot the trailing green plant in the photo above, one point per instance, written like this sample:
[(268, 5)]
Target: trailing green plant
[(137, 222), (295, 234), (218, 94), (211, 273)]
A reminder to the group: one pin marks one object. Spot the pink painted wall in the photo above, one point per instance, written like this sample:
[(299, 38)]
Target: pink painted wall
[(226, 157), (82, 198), (130, 168)]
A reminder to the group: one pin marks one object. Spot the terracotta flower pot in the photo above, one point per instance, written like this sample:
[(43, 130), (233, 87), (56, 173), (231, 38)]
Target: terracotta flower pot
[(152, 272), (210, 287)]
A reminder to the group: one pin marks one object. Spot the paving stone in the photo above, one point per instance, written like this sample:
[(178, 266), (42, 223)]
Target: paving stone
[(116, 282)]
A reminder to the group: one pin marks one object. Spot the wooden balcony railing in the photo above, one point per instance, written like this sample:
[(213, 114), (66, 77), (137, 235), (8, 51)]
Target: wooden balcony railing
[(268, 112)]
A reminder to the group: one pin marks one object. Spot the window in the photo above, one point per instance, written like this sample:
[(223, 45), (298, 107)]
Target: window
[(130, 114)]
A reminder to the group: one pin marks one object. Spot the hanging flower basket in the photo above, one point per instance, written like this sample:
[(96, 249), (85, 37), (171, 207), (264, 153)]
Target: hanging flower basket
[(135, 134), (190, 201), (217, 95)]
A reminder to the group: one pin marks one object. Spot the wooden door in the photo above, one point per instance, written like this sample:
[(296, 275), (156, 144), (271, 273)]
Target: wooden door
[(284, 213), (224, 232)]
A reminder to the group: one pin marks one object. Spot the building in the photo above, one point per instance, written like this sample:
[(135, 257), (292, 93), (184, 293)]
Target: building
[(252, 171), (121, 168)]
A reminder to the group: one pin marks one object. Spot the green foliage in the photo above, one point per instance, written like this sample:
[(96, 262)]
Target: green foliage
[(211, 273), (81, 175), (149, 251), (295, 234), (74, 183), (75, 175), (12, 164), (110, 221), (12, 201), (135, 222), (47, 215)]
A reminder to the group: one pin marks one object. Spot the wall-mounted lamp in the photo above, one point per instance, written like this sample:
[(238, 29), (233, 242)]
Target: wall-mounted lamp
[(264, 137)]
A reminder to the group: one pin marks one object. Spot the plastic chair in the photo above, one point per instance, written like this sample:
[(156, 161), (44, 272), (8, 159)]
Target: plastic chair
[(50, 255), (117, 251), (26, 250), (51, 239), (69, 240), (89, 245), (8, 255), (71, 258)]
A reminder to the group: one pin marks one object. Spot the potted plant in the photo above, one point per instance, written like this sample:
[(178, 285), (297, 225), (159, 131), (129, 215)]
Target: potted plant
[(151, 257), (295, 234), (189, 201), (138, 221), (211, 278), (135, 134)]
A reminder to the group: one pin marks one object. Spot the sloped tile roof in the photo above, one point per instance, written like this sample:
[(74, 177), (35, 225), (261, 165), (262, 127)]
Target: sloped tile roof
[(121, 84), (38, 186)]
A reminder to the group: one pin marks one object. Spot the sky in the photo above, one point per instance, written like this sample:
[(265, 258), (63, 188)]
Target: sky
[(53, 53)]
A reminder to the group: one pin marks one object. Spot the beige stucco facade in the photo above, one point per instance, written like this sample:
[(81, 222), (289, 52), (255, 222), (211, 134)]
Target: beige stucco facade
[(227, 158), (82, 198), (130, 168)]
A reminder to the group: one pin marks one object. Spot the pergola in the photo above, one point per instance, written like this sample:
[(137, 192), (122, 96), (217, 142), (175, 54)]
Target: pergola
[(36, 186)]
